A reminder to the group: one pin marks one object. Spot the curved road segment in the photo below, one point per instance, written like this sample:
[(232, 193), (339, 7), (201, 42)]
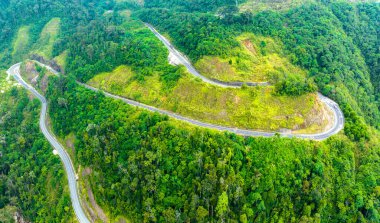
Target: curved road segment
[(338, 119), (79, 212), (338, 115), (182, 59)]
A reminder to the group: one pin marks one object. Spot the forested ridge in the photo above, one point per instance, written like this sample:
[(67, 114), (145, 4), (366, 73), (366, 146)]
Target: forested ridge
[(145, 167)]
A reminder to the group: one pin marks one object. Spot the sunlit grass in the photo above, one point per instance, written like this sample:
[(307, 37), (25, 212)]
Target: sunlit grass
[(251, 108)]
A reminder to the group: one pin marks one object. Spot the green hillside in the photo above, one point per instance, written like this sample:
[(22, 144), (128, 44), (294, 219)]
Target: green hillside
[(173, 89), (313, 39), (249, 108), (138, 166)]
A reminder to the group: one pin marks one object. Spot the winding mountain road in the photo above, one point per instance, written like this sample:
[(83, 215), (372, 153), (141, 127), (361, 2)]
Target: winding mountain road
[(79, 212), (334, 107), (72, 178)]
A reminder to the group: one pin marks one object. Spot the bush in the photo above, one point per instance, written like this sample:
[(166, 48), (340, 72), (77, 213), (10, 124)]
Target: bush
[(294, 85)]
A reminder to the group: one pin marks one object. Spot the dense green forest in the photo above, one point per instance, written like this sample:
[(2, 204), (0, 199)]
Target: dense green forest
[(361, 24), (31, 177), (148, 168), (165, 171)]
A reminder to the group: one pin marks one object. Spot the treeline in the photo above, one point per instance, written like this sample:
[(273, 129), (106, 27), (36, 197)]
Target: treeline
[(194, 34), (294, 85), (94, 48), (198, 35), (312, 35), (151, 169), (32, 179)]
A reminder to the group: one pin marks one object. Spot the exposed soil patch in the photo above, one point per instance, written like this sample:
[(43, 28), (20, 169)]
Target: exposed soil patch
[(122, 221), (31, 73), (320, 117), (18, 218), (37, 79), (43, 84), (173, 60), (249, 45), (51, 63)]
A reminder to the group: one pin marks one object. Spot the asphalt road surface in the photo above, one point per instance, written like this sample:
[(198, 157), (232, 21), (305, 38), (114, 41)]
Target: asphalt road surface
[(81, 216)]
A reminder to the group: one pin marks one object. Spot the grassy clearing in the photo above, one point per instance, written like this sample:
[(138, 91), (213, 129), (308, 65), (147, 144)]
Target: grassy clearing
[(21, 43), (48, 36), (257, 59), (280, 5), (44, 46), (251, 108)]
